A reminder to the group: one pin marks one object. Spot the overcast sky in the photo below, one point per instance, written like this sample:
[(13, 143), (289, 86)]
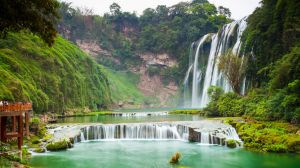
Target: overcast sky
[(238, 8)]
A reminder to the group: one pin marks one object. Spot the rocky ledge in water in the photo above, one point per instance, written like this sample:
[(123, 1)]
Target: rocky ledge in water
[(203, 132)]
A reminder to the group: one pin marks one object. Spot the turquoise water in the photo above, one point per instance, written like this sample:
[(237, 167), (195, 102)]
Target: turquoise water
[(107, 119), (156, 154)]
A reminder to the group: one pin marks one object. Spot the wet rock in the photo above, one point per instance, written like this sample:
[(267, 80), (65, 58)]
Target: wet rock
[(39, 150), (59, 145), (231, 143)]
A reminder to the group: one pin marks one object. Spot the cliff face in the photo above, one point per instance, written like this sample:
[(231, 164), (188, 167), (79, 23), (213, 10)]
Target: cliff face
[(153, 85), (150, 85), (149, 66)]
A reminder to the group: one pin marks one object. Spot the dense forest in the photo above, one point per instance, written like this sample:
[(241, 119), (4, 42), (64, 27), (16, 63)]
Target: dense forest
[(164, 29)]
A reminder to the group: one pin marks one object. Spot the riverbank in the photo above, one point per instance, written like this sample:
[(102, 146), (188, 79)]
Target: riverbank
[(267, 136), (260, 136)]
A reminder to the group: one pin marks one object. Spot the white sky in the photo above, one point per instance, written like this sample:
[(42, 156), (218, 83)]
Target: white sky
[(238, 8)]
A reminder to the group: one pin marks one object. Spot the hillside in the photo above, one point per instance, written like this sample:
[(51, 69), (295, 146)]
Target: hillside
[(154, 45), (57, 79)]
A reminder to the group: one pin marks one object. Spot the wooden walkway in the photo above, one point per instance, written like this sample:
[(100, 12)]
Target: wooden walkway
[(12, 116)]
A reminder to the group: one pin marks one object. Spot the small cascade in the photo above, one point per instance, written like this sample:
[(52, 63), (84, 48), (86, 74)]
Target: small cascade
[(203, 70), (204, 138), (134, 132), (143, 114), (204, 133), (82, 139)]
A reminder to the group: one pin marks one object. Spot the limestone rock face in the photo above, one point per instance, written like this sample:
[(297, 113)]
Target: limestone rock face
[(158, 59)]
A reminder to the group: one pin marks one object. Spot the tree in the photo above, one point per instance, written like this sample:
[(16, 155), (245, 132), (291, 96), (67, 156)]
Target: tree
[(36, 16), (234, 68), (115, 9), (224, 11)]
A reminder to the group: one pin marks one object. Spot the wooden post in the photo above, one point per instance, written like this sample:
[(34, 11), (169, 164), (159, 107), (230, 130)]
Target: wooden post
[(14, 123), (27, 123), (20, 132), (3, 128)]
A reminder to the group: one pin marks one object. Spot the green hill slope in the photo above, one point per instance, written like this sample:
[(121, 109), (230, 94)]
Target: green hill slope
[(55, 79), (123, 86)]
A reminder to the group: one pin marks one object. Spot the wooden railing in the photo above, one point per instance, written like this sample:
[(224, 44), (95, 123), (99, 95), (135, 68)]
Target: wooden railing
[(12, 107)]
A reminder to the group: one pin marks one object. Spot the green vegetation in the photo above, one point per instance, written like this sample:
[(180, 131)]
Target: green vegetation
[(186, 112), (276, 67), (39, 150), (59, 145), (101, 113), (266, 136), (231, 143), (54, 79), (257, 104), (123, 85), (95, 113), (161, 30), (12, 158), (273, 30), (31, 15)]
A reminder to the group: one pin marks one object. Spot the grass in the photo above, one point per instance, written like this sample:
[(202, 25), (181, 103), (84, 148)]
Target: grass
[(123, 85), (194, 112), (93, 113)]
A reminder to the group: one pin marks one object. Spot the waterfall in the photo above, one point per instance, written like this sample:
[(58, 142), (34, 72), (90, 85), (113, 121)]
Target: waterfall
[(205, 133), (204, 62), (135, 132)]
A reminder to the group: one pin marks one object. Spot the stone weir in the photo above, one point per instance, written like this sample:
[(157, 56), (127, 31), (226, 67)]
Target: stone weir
[(203, 132)]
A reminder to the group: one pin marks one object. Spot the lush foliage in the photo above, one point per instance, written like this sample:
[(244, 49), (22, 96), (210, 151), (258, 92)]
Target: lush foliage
[(54, 79), (59, 145), (273, 29), (37, 16), (161, 30), (186, 112), (231, 143), (123, 86), (282, 105), (268, 136)]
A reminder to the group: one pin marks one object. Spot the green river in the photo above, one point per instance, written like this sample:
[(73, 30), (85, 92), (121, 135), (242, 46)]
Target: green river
[(155, 153)]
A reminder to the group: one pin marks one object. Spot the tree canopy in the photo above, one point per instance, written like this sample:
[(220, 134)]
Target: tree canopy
[(34, 15)]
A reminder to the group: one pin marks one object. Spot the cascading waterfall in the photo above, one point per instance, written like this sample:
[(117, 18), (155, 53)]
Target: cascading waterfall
[(150, 131), (134, 132), (204, 61)]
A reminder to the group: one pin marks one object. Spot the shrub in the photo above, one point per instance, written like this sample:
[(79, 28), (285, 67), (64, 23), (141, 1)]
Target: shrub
[(269, 136), (39, 150), (231, 143), (230, 104), (59, 145)]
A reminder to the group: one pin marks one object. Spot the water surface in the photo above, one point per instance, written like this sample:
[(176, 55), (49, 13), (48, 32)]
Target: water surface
[(156, 154), (110, 119)]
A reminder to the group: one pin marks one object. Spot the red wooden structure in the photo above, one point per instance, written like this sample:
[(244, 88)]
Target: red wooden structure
[(14, 128)]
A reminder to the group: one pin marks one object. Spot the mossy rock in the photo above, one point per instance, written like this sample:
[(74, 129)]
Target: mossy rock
[(59, 145), (231, 143), (35, 141), (39, 150), (293, 144)]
